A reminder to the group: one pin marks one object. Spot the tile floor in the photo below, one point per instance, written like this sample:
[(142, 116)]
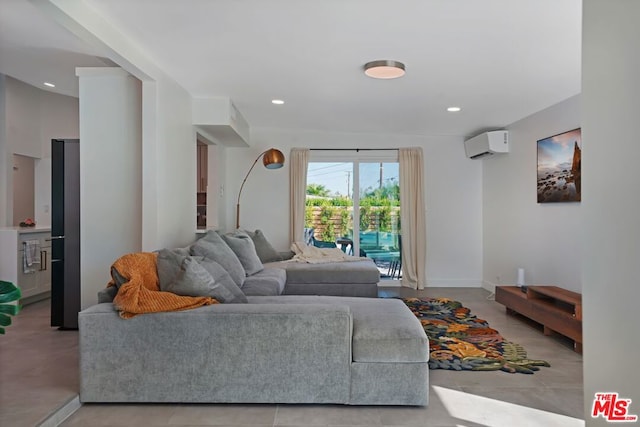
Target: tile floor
[(38, 374), (38, 367)]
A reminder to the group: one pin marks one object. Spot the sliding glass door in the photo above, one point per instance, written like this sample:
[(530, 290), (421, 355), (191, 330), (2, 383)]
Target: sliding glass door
[(379, 216), (354, 205)]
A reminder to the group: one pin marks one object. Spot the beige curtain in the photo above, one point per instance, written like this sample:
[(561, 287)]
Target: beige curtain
[(298, 161), (412, 215)]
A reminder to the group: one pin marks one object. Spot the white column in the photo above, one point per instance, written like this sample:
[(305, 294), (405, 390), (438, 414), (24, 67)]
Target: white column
[(611, 201), (110, 173)]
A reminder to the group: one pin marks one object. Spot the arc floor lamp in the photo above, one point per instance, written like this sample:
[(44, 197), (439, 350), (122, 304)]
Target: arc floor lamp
[(272, 159)]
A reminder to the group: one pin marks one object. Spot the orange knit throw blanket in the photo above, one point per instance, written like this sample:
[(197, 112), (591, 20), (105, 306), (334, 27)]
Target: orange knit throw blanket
[(141, 293)]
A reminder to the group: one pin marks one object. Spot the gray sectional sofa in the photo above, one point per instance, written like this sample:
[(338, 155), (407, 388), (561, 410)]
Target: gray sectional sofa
[(260, 345), (284, 349), (278, 274)]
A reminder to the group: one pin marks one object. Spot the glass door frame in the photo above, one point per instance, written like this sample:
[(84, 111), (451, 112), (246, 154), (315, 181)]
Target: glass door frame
[(356, 157)]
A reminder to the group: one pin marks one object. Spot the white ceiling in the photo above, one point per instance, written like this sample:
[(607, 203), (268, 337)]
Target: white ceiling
[(500, 60), (35, 49)]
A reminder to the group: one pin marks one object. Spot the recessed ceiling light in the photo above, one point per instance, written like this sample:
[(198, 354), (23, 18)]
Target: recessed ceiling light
[(277, 101), (384, 69), (49, 84), (454, 109)]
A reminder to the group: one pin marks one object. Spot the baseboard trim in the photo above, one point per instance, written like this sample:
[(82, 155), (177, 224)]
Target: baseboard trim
[(62, 413), (35, 298), (491, 287), (453, 283)]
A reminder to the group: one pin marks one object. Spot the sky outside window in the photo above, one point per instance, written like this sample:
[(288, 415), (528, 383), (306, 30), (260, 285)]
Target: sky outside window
[(337, 177)]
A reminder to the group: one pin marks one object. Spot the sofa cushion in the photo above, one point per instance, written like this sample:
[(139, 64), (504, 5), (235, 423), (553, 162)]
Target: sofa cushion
[(266, 252), (242, 245), (269, 281), (211, 246), (194, 276), (364, 271), (364, 290), (384, 329)]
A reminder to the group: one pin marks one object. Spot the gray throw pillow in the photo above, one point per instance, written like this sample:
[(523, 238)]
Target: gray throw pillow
[(221, 276), (194, 281), (265, 251), (211, 246), (242, 245), (118, 278), (107, 294), (169, 263), (184, 275)]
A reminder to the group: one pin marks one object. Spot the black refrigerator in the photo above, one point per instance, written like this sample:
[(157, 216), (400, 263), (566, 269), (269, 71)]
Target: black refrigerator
[(65, 233)]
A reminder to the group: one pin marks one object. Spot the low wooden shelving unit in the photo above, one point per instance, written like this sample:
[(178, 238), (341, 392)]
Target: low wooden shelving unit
[(556, 309)]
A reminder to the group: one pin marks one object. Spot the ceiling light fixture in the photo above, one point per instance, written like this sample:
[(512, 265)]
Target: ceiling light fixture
[(49, 84), (454, 109), (384, 69), (277, 101)]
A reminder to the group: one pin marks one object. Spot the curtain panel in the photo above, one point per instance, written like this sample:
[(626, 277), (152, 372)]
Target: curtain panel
[(299, 161), (412, 215)]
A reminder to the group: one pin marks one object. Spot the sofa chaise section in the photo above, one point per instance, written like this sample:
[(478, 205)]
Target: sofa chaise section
[(280, 349)]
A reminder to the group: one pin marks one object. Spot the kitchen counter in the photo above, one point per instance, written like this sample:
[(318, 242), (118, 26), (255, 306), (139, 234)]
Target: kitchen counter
[(34, 281), (23, 230)]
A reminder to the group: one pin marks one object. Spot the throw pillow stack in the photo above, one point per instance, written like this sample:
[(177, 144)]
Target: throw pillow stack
[(215, 265)]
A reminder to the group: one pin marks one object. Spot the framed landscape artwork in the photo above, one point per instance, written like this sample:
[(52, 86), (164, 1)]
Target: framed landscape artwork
[(559, 174)]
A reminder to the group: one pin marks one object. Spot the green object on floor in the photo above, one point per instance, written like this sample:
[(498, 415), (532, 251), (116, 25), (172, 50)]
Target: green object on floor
[(8, 294), (460, 341)]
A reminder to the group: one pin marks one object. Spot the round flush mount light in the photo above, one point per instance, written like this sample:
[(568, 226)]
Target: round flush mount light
[(384, 69), (277, 101), (454, 109), (49, 84)]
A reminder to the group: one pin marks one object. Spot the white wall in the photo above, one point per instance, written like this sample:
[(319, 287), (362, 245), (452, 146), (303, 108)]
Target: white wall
[(23, 118), (110, 174), (5, 169), (175, 167), (453, 195), (542, 238), (34, 117), (611, 201)]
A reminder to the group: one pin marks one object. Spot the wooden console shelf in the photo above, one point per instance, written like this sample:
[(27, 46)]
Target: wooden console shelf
[(556, 309)]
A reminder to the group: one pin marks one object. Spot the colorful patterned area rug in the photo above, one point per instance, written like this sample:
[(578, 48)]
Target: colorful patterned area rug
[(458, 340)]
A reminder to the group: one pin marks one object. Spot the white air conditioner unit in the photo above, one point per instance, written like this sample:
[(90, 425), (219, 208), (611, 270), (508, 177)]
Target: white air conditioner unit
[(487, 144)]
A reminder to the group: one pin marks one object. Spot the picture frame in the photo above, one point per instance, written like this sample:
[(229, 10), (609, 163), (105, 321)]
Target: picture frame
[(559, 170)]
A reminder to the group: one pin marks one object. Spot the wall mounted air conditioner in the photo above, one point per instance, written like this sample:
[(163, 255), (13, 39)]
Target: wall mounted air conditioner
[(487, 144)]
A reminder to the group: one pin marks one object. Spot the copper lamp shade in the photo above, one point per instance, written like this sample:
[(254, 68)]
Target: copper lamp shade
[(271, 159)]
